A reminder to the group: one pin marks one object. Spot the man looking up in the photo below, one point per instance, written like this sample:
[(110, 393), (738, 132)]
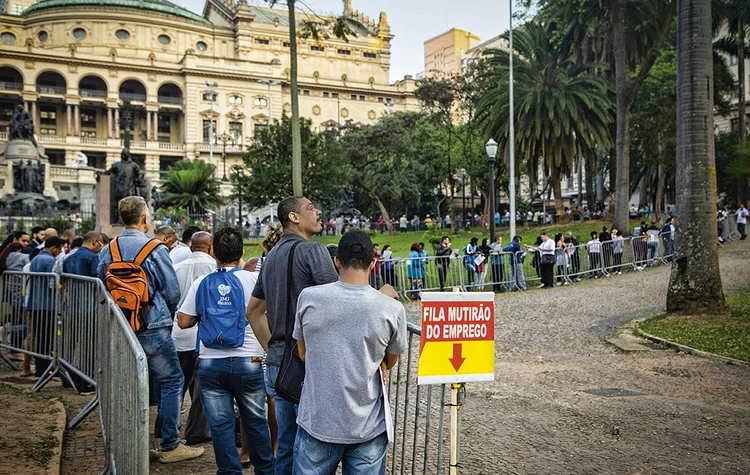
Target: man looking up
[(199, 263), (267, 310), (156, 339), (348, 334)]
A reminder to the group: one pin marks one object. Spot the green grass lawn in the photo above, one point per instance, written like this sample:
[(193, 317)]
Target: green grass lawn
[(725, 335), (401, 242)]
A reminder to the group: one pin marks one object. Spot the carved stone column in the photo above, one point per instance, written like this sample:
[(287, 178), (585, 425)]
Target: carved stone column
[(117, 123), (148, 125), (77, 114), (109, 122), (69, 118)]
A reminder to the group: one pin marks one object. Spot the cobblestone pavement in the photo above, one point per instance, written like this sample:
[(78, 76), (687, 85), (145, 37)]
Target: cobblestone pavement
[(693, 415)]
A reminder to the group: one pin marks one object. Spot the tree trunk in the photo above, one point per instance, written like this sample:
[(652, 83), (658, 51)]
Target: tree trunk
[(622, 144), (296, 137), (381, 206), (695, 282), (554, 177), (590, 171), (659, 201)]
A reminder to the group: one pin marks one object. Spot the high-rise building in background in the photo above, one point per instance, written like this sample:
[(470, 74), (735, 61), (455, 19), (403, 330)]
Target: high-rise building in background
[(442, 54)]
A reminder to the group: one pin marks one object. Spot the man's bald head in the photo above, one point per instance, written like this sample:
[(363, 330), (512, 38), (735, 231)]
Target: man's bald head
[(68, 234), (201, 242), (167, 235), (49, 232)]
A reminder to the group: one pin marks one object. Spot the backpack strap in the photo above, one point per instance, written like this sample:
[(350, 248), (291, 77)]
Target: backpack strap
[(114, 249), (146, 251), (290, 316)]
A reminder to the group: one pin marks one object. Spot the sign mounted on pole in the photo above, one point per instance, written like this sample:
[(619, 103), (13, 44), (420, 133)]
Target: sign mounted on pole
[(458, 338)]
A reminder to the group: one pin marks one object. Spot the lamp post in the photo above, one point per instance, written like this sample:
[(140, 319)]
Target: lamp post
[(211, 91), (224, 138), (462, 174), (238, 172), (511, 135), (435, 192), (491, 148), (269, 83)]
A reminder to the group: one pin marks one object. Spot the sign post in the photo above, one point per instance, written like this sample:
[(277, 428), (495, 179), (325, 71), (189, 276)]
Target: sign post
[(457, 346)]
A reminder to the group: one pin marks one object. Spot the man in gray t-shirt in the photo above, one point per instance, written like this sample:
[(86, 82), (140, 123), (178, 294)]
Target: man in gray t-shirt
[(346, 331), (267, 310)]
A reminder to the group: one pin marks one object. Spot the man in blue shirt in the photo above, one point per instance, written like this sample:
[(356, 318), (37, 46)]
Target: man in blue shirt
[(156, 339), (85, 260), (41, 302), (516, 264)]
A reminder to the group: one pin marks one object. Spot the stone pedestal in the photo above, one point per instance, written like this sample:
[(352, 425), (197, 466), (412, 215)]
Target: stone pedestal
[(103, 209)]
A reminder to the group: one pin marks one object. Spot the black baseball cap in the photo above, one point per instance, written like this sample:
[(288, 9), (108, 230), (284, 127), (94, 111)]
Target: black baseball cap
[(356, 244)]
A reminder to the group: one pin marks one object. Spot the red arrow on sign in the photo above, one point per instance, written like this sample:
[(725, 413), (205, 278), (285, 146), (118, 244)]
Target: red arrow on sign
[(457, 360)]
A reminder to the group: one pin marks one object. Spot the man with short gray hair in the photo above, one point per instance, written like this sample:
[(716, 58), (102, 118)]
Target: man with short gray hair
[(156, 339)]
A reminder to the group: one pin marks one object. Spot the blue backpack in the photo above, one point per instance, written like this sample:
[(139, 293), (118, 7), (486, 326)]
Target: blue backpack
[(220, 302)]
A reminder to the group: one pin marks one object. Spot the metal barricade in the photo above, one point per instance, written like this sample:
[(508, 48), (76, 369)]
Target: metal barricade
[(428, 274), (586, 264), (666, 247), (30, 317), (83, 302), (123, 395), (617, 255), (732, 222), (487, 276), (421, 416)]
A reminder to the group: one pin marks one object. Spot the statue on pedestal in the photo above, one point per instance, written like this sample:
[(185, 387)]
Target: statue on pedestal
[(28, 177), (129, 180), (21, 125)]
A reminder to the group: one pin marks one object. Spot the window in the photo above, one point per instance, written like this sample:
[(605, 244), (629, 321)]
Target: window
[(380, 99), (259, 128), (317, 48), (361, 98), (344, 51), (88, 134), (164, 125), (234, 99), (201, 46), (207, 96), (261, 41), (285, 44), (164, 39), (733, 60), (88, 118), (235, 131), (8, 38), (43, 36), (260, 102), (207, 131), (47, 115), (735, 124), (335, 95), (47, 131), (79, 33), (305, 92), (325, 94), (369, 55), (122, 35), (353, 97)]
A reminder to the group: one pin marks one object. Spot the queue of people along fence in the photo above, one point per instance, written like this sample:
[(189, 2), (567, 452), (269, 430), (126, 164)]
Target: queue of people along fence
[(228, 333)]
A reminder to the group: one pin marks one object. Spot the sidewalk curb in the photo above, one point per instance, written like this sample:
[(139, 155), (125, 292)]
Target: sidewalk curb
[(689, 350)]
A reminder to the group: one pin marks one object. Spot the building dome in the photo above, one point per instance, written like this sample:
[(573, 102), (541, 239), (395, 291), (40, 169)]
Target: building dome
[(162, 6)]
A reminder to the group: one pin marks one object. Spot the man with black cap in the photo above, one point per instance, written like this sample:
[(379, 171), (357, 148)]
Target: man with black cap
[(348, 334)]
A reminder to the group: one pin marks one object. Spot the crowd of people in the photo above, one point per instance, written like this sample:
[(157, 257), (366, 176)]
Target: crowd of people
[(221, 330)]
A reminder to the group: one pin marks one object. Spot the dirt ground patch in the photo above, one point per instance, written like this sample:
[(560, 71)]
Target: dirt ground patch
[(29, 437)]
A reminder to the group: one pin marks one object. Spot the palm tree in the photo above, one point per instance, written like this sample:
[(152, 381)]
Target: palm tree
[(695, 282), (558, 102), (190, 184)]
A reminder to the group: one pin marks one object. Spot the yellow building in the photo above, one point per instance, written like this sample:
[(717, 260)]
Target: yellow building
[(71, 62), (442, 54)]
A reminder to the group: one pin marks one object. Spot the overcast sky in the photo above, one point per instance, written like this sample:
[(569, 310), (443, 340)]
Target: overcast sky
[(412, 22)]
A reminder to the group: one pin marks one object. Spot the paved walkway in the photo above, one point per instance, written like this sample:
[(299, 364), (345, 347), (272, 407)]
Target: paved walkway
[(692, 414)]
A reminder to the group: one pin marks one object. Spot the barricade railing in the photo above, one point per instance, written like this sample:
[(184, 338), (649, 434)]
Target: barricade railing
[(418, 274), (31, 321), (421, 416), (123, 395), (487, 275)]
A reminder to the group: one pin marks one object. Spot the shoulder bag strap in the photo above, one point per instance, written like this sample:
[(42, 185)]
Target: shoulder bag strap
[(289, 314), (114, 249), (146, 251)]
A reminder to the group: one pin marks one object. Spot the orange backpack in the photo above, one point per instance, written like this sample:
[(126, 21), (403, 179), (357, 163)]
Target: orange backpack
[(128, 285)]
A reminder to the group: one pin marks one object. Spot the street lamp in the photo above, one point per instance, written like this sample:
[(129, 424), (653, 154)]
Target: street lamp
[(269, 83), (435, 193), (224, 138), (491, 148), (238, 174), (462, 181), (211, 91), (511, 134)]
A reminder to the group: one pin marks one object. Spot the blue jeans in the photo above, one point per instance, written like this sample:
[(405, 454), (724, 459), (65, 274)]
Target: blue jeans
[(165, 367), (314, 457), (286, 418), (471, 272), (224, 382)]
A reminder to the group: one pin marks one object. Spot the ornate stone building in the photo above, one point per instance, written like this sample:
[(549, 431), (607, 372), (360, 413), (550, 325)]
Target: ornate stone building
[(72, 62)]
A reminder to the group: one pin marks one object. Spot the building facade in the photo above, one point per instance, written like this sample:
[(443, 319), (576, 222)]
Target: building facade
[(442, 54), (71, 63)]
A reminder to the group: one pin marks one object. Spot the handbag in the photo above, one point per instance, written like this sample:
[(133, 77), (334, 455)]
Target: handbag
[(548, 259), (292, 369)]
